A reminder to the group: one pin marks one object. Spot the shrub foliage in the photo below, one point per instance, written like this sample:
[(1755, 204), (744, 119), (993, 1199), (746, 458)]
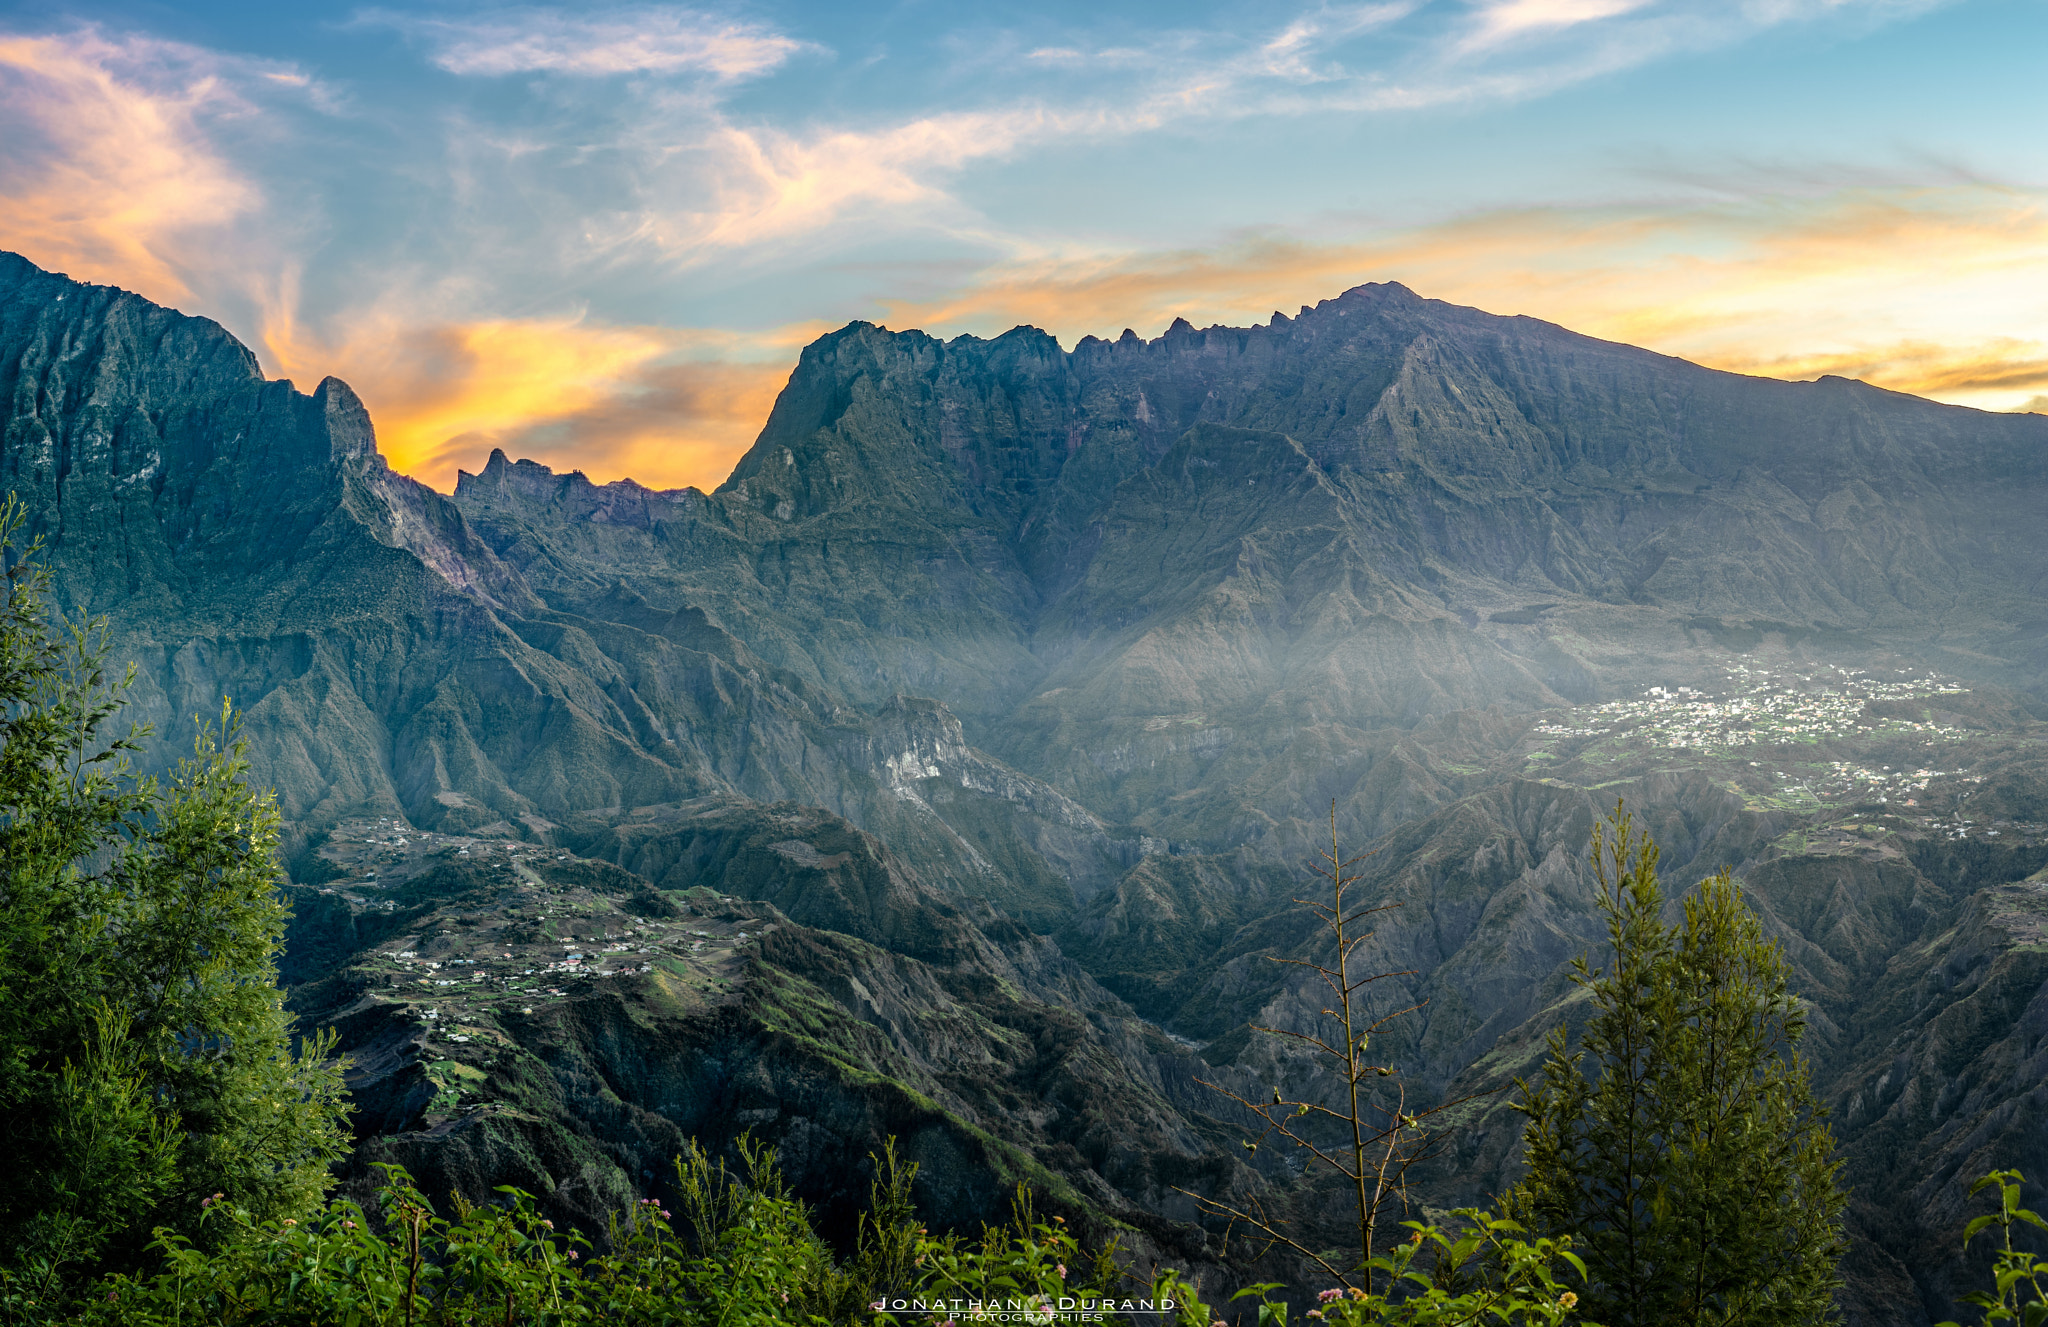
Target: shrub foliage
[(1679, 1139), (145, 1056)]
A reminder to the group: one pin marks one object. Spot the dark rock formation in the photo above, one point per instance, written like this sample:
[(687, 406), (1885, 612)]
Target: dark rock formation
[(1017, 683)]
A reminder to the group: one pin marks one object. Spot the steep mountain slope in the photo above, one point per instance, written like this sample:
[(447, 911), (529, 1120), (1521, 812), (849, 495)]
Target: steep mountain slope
[(522, 1015), (249, 541), (1013, 685), (1187, 552), (1482, 453)]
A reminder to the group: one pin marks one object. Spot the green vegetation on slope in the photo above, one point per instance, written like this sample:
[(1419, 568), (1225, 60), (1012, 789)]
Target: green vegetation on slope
[(145, 1056), (1677, 1137)]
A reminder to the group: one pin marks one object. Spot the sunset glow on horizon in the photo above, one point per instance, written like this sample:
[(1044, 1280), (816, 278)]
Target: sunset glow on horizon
[(598, 237)]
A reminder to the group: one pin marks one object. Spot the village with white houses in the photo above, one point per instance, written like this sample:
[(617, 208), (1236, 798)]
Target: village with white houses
[(1807, 737), (484, 930)]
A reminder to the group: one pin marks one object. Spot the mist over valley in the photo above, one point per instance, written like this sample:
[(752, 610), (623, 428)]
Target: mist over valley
[(951, 771)]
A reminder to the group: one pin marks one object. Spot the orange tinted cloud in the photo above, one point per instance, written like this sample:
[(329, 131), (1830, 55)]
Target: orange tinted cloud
[(1929, 291), (682, 424), (2000, 367), (639, 402), (1920, 291), (109, 177), (760, 188)]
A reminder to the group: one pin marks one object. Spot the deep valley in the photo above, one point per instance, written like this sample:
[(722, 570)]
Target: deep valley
[(951, 772)]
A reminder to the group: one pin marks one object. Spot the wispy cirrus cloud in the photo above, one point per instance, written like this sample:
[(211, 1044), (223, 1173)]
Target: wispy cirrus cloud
[(129, 159), (1398, 55), (1512, 18), (768, 186), (108, 159), (649, 39), (1299, 52), (703, 184), (677, 179)]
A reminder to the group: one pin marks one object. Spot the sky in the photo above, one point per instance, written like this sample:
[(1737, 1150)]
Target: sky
[(599, 235)]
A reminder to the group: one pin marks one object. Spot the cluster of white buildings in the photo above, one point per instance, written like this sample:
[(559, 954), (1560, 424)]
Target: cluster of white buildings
[(1760, 705)]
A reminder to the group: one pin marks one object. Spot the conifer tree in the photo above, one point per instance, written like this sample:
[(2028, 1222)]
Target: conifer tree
[(1679, 1142), (146, 1060)]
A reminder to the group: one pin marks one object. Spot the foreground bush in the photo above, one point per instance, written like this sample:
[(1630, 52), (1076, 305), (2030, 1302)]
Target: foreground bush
[(733, 1249), (1481, 1275), (2018, 1295), (146, 1059), (1676, 1137)]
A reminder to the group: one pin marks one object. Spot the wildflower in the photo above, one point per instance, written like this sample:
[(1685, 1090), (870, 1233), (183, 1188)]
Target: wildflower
[(348, 1225), (290, 1221), (1060, 1268), (1315, 1313), (1356, 1293), (1567, 1300), (1326, 1296), (572, 1255), (664, 1214), (549, 1224)]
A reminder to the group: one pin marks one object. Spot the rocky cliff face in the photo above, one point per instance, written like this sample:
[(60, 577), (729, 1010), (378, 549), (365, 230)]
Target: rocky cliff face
[(1013, 686), (1472, 449), (1138, 570)]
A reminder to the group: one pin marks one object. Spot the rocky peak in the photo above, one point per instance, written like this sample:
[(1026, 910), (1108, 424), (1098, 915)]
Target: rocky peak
[(352, 434), (506, 483), (160, 462)]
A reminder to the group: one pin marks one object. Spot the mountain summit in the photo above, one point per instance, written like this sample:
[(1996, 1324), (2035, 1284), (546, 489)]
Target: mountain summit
[(1007, 686)]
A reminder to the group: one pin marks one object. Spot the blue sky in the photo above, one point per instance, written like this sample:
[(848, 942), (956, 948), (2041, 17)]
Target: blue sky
[(597, 235)]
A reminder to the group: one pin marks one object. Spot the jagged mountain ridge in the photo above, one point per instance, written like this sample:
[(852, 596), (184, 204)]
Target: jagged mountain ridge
[(249, 541), (1108, 563), (1180, 595), (1409, 396), (1596, 465)]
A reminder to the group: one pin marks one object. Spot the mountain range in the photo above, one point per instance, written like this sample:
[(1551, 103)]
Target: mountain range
[(977, 732)]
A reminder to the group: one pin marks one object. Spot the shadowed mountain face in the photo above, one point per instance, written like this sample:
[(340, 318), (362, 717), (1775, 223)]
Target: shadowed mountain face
[(1010, 686), (1144, 570)]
